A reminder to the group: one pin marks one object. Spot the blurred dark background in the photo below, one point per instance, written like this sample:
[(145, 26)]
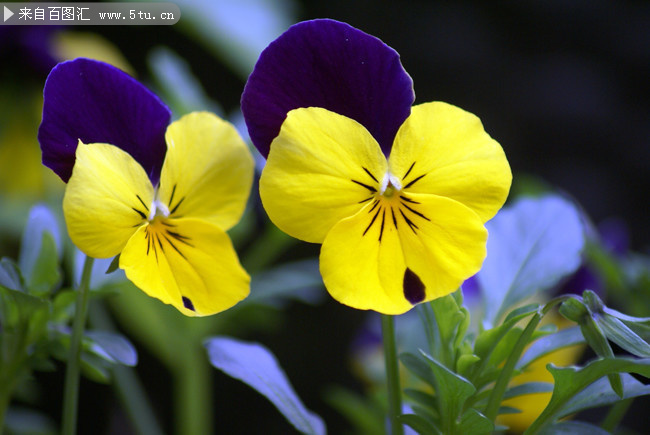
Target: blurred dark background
[(562, 85)]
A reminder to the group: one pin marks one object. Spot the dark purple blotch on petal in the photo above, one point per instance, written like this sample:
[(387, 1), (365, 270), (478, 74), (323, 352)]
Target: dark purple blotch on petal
[(187, 303), (329, 64), (96, 102), (413, 287)]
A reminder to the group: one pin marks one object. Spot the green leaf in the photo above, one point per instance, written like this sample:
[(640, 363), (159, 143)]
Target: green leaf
[(19, 307), (95, 368), (573, 428), (574, 309), (115, 264), (256, 366), (112, 347), (532, 245), (616, 331), (418, 366), (45, 273), (452, 392), (10, 274), (420, 424), (40, 221), (488, 339), (550, 343), (600, 394), (424, 399), (596, 339), (473, 422), (569, 381), (528, 388), (466, 363)]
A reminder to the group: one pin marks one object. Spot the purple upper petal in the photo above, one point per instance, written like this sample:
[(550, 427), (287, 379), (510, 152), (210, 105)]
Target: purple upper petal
[(329, 64), (96, 102)]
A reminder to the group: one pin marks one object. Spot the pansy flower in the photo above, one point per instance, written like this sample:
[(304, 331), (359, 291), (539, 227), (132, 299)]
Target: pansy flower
[(159, 195), (397, 195)]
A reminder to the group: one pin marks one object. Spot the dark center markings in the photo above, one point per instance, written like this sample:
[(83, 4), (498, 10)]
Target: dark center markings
[(414, 181), (370, 174), (142, 215), (408, 172), (173, 210), (142, 202), (372, 221), (171, 197), (381, 231), (370, 188), (416, 212), (409, 222)]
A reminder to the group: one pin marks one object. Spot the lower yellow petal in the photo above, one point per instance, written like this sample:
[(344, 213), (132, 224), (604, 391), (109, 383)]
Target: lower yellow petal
[(187, 263), (322, 167), (446, 247), (208, 170), (444, 150), (107, 197), (394, 253), (361, 272)]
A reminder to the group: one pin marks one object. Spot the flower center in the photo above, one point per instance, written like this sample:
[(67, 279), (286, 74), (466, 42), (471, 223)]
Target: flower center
[(389, 185), (158, 209)]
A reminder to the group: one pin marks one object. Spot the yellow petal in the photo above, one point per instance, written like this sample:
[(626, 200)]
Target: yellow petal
[(396, 253), (449, 149), (188, 263), (208, 170), (106, 199), (322, 167)]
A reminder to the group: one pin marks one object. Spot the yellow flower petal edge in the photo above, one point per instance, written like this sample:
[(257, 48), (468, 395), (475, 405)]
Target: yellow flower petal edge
[(321, 169), (402, 250), (102, 199), (449, 153), (208, 170), (188, 263)]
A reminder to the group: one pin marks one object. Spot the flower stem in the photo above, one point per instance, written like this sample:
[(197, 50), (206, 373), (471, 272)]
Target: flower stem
[(616, 414), (71, 388), (392, 374)]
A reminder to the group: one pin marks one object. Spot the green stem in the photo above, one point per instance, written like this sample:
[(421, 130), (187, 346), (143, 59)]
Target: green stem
[(193, 391), (616, 414), (392, 374), (494, 402), (492, 408), (71, 388)]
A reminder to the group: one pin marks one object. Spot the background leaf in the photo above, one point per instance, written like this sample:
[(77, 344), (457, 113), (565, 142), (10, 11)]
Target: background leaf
[(531, 246), (550, 343), (600, 394), (256, 366), (569, 381), (40, 221), (113, 347)]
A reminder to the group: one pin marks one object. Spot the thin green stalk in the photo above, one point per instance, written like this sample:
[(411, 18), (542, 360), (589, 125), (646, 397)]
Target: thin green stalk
[(616, 414), (71, 388), (499, 389), (392, 374), (193, 392), (494, 402)]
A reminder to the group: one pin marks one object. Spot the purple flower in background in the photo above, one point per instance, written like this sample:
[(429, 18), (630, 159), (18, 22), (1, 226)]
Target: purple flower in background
[(95, 102)]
